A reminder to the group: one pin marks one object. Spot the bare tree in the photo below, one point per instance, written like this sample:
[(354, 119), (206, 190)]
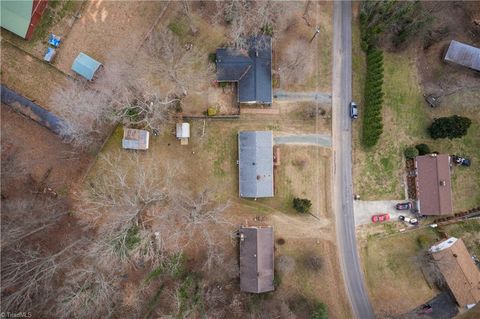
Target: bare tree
[(295, 62), (84, 112), (26, 273), (179, 63), (247, 18), (27, 216), (88, 292), (150, 111)]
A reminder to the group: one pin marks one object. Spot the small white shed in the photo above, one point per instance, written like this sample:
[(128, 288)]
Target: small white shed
[(135, 139), (183, 132)]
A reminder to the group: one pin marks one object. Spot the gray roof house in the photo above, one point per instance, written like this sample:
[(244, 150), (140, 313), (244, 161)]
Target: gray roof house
[(256, 259), (251, 69), (255, 172), (463, 54)]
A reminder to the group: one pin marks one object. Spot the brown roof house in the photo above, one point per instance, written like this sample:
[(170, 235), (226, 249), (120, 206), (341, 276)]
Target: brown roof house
[(256, 259), (459, 270), (434, 186), (134, 139)]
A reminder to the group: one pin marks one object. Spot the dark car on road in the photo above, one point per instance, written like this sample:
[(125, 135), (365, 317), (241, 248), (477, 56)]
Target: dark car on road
[(353, 110), (403, 206)]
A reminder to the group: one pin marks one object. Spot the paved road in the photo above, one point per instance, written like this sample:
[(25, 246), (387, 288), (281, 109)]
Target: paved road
[(305, 139), (342, 168)]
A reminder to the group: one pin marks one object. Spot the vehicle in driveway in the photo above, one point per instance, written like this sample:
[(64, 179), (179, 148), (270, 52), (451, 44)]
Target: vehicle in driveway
[(411, 221), (353, 110), (403, 206), (380, 218)]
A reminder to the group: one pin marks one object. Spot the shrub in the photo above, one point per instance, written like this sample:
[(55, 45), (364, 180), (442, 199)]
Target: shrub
[(302, 205), (211, 111), (423, 149), (320, 311), (372, 126), (449, 127), (410, 152), (267, 29), (212, 57)]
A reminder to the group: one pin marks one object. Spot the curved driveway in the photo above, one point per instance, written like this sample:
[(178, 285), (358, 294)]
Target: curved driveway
[(342, 158)]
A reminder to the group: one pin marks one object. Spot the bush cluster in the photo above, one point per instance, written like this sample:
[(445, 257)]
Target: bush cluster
[(449, 127), (302, 205), (373, 99), (411, 152), (423, 149)]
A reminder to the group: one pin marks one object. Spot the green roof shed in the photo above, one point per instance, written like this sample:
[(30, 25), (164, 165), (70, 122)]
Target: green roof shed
[(16, 16)]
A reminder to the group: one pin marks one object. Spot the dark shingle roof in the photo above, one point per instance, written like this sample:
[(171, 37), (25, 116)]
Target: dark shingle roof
[(463, 54), (255, 149), (256, 259), (252, 70)]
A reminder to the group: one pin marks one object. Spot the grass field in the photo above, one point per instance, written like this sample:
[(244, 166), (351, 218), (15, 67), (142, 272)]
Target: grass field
[(379, 172), (392, 265)]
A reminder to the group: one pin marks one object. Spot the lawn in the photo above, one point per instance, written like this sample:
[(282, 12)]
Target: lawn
[(379, 172), (392, 265), (209, 162)]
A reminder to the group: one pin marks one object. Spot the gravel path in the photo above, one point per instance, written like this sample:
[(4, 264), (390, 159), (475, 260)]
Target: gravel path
[(302, 96), (306, 139)]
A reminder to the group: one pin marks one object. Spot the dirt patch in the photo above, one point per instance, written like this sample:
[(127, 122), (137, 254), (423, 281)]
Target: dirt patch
[(105, 26), (25, 74), (38, 150)]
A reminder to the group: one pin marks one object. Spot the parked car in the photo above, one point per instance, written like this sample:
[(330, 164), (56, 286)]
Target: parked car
[(403, 206), (411, 221), (380, 218), (458, 160), (353, 110)]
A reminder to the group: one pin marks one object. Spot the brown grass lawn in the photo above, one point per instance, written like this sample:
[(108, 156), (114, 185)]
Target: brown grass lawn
[(392, 264), (378, 173), (209, 162)]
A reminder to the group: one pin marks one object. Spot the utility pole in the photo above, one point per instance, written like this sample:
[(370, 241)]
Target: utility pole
[(317, 31)]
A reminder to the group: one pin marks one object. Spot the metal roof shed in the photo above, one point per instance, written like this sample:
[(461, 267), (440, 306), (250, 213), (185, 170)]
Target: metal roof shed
[(463, 54), (255, 149), (21, 17), (85, 66), (183, 130), (256, 259), (135, 139)]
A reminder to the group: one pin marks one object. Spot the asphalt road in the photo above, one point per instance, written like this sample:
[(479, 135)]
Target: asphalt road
[(342, 158)]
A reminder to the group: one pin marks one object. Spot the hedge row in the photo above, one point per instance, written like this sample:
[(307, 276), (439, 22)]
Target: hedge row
[(373, 99)]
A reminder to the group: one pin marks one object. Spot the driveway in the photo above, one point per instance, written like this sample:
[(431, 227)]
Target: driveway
[(364, 210), (342, 194), (443, 307), (320, 97), (305, 139)]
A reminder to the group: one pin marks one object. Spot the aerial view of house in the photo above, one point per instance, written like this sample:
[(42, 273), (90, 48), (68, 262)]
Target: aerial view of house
[(238, 159)]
